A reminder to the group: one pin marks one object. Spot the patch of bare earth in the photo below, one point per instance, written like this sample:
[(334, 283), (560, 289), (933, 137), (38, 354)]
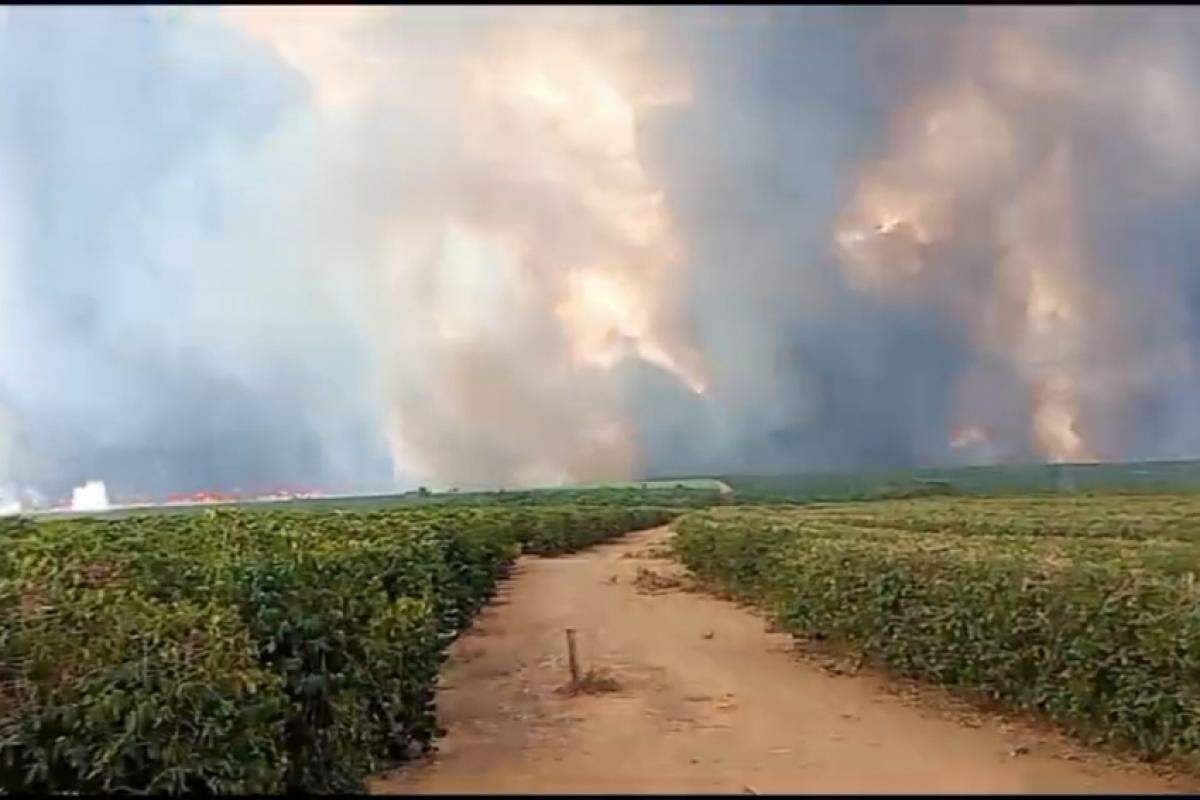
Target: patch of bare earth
[(691, 694)]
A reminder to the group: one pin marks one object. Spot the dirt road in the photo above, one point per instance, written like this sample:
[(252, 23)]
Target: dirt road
[(708, 702)]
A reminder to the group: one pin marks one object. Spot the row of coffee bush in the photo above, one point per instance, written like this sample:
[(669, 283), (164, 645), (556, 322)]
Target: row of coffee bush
[(238, 651), (1100, 633)]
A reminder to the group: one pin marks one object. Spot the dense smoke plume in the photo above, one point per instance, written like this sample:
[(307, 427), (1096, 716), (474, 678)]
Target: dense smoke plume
[(359, 248), (1006, 197)]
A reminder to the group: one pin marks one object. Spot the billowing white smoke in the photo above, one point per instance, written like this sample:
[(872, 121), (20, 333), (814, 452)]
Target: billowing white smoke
[(16, 501), (92, 496), (529, 253), (10, 496), (10, 503)]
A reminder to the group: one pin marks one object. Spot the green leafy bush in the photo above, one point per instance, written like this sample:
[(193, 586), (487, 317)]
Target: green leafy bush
[(1100, 633), (236, 652), (553, 531)]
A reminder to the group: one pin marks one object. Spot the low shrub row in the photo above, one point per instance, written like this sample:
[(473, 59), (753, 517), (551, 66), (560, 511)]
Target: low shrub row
[(1112, 516), (1099, 634), (237, 651), (554, 531)]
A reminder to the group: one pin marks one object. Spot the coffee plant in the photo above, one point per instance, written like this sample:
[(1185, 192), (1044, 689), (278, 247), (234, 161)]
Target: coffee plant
[(233, 651), (1086, 612)]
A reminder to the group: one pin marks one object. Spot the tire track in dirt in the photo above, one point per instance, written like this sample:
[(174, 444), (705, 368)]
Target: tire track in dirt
[(708, 702)]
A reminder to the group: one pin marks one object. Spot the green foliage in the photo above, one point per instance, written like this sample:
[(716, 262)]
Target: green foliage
[(1087, 613), (1157, 477), (553, 531), (237, 652)]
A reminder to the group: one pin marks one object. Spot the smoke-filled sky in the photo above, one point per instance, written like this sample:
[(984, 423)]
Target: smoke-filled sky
[(362, 248)]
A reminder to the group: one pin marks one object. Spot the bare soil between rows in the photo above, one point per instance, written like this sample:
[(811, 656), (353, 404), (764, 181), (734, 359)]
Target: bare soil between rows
[(693, 694)]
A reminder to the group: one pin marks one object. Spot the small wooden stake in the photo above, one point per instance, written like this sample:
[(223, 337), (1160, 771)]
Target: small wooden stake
[(572, 658)]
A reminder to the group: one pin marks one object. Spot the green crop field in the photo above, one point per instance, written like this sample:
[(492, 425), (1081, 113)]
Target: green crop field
[(684, 493), (1083, 609), (240, 651), (293, 646), (1007, 480)]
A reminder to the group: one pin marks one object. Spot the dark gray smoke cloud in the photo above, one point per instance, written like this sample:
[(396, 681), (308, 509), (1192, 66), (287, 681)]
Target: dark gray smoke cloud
[(815, 375), (836, 357), (383, 247), (1030, 189)]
